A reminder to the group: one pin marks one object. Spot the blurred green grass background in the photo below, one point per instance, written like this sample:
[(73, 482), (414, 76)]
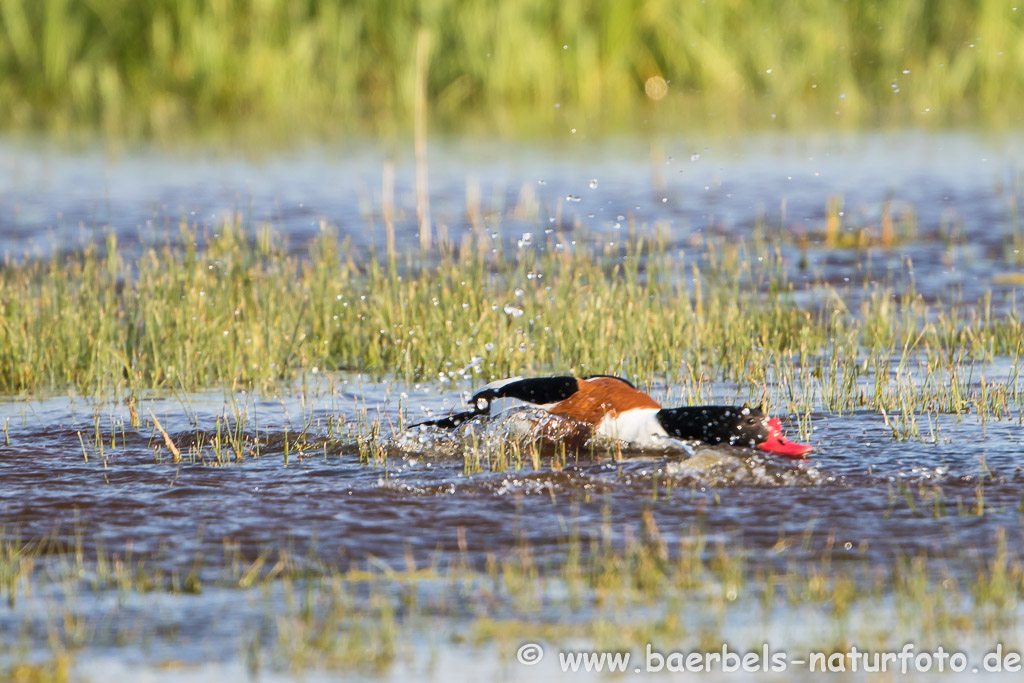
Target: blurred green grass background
[(163, 69)]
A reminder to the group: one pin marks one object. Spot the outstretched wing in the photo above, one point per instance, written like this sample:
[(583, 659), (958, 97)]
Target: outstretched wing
[(543, 392), (539, 391)]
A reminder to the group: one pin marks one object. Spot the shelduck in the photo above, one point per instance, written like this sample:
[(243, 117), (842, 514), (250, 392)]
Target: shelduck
[(613, 408)]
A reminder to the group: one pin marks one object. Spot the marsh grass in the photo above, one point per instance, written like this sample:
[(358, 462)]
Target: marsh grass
[(316, 614), (168, 67), (245, 311)]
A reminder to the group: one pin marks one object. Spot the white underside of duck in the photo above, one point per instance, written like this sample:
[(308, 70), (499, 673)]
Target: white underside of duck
[(639, 426)]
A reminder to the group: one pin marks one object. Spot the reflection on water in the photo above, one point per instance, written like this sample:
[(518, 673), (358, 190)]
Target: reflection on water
[(943, 176)]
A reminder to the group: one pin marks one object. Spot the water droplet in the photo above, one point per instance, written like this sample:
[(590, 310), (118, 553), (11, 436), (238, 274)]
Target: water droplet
[(593, 183), (695, 157), (906, 71), (513, 311), (489, 346), (573, 198), (519, 292), (526, 240)]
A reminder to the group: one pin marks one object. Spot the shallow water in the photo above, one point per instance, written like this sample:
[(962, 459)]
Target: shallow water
[(959, 191), (421, 497), (863, 497), (845, 503)]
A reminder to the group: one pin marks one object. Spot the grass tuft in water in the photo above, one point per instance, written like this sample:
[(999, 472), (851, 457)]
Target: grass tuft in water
[(245, 311)]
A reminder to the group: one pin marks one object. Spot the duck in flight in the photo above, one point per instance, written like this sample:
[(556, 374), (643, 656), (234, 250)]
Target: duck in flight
[(613, 408)]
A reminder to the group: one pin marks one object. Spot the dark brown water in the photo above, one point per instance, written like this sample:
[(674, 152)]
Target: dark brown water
[(332, 509)]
